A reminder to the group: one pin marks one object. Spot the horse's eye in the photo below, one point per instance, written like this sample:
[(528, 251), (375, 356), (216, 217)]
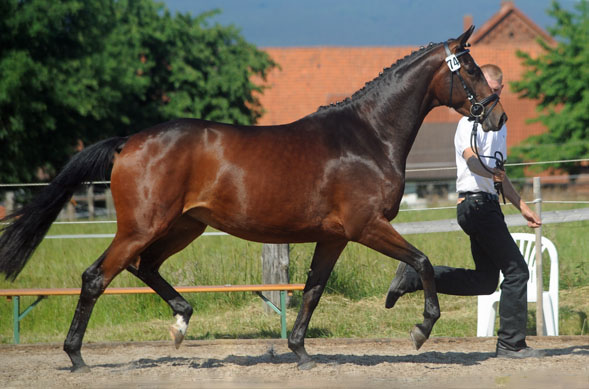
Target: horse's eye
[(471, 69)]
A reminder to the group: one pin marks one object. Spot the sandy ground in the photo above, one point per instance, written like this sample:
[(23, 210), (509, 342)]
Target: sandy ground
[(350, 363)]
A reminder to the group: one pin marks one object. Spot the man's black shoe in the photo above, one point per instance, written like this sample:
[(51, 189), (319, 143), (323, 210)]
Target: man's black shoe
[(397, 288), (526, 352)]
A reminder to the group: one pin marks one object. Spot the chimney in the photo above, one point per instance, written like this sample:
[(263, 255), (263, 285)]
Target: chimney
[(467, 22)]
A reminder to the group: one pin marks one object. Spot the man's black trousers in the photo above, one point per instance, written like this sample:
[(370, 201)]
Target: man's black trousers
[(493, 250)]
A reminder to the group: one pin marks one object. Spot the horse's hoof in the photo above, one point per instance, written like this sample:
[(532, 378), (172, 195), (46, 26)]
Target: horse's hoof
[(81, 369), (418, 337), (307, 365), (177, 336)]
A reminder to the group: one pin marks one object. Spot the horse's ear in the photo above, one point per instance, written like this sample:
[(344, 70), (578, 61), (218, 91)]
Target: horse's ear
[(463, 39)]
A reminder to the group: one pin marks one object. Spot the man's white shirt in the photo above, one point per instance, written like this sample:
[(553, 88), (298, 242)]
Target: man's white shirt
[(488, 143)]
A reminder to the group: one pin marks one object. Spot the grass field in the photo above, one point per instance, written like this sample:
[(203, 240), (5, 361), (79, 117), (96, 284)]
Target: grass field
[(353, 305)]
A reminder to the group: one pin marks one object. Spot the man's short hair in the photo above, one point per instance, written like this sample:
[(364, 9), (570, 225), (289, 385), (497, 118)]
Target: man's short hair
[(493, 71)]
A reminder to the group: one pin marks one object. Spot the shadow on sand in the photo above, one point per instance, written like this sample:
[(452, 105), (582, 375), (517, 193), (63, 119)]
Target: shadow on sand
[(270, 357)]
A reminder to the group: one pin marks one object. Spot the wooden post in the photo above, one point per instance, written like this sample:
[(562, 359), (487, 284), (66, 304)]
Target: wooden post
[(110, 206), (9, 202), (90, 195), (275, 263), (71, 211), (539, 281)]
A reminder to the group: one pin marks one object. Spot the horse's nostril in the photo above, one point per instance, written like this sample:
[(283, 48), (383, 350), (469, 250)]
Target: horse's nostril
[(502, 120)]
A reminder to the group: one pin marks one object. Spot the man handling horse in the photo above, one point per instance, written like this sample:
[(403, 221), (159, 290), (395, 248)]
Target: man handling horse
[(479, 214)]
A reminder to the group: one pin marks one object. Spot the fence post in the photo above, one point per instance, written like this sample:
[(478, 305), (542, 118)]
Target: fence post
[(90, 195), (71, 211), (110, 206), (539, 278), (275, 263), (9, 202)]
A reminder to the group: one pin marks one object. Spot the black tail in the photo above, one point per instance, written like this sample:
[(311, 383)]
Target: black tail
[(30, 224)]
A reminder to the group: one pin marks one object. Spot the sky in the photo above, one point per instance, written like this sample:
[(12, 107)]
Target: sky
[(268, 23)]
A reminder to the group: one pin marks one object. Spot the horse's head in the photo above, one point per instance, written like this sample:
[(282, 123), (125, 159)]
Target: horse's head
[(460, 84)]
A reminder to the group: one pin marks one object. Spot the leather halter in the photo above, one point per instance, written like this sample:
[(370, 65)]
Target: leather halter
[(477, 108)]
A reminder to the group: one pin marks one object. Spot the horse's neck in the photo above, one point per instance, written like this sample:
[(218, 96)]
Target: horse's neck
[(396, 108)]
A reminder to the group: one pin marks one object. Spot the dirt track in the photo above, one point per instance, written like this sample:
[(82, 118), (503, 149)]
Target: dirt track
[(364, 363)]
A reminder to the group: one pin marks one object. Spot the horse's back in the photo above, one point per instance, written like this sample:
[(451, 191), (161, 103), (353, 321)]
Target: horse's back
[(235, 178)]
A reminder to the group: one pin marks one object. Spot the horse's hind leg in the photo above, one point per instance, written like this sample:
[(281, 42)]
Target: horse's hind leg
[(181, 308), (122, 251), (382, 237), (92, 288), (180, 235), (324, 258)]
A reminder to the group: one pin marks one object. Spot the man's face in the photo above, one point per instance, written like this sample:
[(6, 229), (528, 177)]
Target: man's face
[(495, 85)]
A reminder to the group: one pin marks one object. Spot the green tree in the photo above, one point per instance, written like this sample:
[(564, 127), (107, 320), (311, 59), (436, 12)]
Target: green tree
[(559, 80), (87, 69)]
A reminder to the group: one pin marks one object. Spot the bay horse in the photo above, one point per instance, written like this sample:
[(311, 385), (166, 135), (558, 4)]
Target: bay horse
[(334, 176)]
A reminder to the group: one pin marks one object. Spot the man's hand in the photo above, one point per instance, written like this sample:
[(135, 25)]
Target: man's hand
[(534, 220), (498, 175)]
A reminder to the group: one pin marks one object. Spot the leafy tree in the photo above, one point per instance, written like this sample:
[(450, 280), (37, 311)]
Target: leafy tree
[(84, 70), (559, 79), (45, 58)]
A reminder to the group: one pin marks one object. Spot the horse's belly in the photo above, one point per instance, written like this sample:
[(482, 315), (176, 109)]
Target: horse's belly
[(265, 227)]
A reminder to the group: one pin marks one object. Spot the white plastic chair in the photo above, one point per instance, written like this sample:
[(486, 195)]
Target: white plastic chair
[(488, 304)]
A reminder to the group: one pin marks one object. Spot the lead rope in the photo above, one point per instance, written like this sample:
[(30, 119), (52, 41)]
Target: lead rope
[(498, 157)]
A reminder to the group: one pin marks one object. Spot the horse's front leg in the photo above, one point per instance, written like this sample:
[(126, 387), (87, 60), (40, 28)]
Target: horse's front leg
[(324, 258), (382, 237)]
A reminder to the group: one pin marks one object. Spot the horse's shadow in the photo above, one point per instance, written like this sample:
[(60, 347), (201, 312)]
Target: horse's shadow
[(269, 357)]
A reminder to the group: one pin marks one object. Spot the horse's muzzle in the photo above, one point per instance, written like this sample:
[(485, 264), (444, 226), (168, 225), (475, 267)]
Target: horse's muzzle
[(502, 120), (489, 124)]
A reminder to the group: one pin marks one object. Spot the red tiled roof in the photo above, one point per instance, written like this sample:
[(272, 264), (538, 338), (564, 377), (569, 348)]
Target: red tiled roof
[(509, 25), (314, 76)]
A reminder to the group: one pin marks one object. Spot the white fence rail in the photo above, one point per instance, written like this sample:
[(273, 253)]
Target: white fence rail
[(449, 225), (446, 225), (425, 227)]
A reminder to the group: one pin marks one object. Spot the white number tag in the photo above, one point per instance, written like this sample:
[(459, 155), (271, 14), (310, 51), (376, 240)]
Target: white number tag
[(453, 62)]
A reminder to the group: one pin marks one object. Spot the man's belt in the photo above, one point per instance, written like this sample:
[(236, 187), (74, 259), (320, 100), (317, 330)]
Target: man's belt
[(478, 195)]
